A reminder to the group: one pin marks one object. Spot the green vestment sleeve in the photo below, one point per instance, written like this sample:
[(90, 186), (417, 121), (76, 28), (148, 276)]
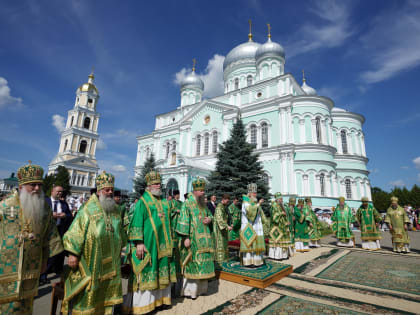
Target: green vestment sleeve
[(219, 217), (75, 237)]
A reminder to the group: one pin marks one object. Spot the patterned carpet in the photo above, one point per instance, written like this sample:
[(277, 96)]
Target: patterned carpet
[(397, 273), (291, 305), (260, 273)]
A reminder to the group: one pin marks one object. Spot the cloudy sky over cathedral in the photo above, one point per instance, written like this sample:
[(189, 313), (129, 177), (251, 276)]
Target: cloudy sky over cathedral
[(364, 55)]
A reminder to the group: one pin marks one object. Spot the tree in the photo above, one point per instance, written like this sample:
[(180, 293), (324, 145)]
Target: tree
[(237, 165), (381, 199), (60, 177), (139, 182)]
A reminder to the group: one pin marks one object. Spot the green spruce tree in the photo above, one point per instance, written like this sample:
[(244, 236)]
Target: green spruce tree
[(237, 166), (139, 182)]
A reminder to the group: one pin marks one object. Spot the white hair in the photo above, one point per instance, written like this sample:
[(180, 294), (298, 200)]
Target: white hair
[(33, 207)]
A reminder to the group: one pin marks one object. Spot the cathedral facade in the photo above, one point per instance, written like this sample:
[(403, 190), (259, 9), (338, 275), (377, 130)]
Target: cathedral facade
[(77, 149), (307, 145)]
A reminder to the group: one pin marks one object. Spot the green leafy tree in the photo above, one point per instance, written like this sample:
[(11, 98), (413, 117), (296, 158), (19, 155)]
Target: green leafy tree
[(139, 182), (381, 199), (60, 177), (237, 165), (415, 196)]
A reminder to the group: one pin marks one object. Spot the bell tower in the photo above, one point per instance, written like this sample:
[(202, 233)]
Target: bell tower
[(79, 139)]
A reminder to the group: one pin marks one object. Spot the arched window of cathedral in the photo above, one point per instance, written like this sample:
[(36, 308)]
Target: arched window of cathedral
[(71, 122), (266, 179), (348, 188), (86, 123), (318, 129), (83, 145), (322, 184), (214, 149), (236, 83), (206, 143), (264, 135), (167, 150), (249, 80), (253, 130), (90, 101), (198, 146), (65, 145), (344, 141)]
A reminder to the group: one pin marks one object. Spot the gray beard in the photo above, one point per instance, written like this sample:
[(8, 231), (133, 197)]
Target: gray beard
[(33, 208), (155, 192), (107, 203), (201, 201)]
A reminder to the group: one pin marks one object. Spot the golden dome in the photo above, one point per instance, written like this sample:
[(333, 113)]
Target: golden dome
[(89, 86)]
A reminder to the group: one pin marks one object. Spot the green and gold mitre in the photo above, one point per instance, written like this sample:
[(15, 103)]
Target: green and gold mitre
[(153, 178), (105, 180), (30, 173), (199, 184), (278, 195)]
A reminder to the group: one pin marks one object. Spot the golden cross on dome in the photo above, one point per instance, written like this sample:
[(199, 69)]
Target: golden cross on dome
[(194, 63), (269, 30), (250, 30)]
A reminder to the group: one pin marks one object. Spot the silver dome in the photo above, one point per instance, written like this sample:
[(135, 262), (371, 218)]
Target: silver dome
[(270, 48), (192, 80), (308, 90), (243, 51)]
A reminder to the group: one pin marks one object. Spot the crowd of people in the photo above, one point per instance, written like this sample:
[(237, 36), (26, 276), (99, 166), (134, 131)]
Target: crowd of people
[(167, 247)]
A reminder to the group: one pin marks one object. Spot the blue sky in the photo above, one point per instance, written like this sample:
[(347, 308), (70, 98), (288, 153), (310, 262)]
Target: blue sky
[(362, 54)]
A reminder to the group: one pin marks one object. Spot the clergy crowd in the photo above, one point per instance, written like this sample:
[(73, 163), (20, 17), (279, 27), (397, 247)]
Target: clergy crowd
[(168, 246)]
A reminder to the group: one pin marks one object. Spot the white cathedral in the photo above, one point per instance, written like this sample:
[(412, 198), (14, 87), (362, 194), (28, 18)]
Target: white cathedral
[(307, 146), (79, 139)]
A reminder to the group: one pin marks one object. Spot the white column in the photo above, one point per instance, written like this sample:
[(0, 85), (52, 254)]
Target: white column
[(285, 126), (362, 142), (302, 132), (181, 142), (281, 126), (335, 186), (188, 153), (290, 138), (330, 133), (313, 131), (138, 157), (323, 132), (339, 145), (225, 130), (369, 191), (286, 173), (353, 190), (350, 148), (292, 182), (317, 185), (305, 184), (327, 186)]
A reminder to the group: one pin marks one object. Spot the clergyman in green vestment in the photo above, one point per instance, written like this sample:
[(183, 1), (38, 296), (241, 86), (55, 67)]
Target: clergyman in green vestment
[(302, 226), (315, 228), (280, 239), (252, 229), (221, 230), (176, 206), (235, 216), (197, 252), (398, 221), (369, 218), (94, 242), (153, 269), (28, 237), (342, 218), (290, 209)]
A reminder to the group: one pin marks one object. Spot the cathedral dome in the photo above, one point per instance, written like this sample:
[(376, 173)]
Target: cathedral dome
[(192, 80), (270, 49), (308, 90), (242, 52), (89, 86)]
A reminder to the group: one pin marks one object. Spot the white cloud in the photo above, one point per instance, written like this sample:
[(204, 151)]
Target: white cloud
[(398, 182), (416, 162), (404, 167), (375, 171), (212, 76), (7, 100), (393, 43), (334, 31), (101, 145), (58, 122), (118, 168)]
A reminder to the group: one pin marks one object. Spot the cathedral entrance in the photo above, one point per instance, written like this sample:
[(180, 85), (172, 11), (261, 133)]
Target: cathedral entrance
[(171, 186)]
